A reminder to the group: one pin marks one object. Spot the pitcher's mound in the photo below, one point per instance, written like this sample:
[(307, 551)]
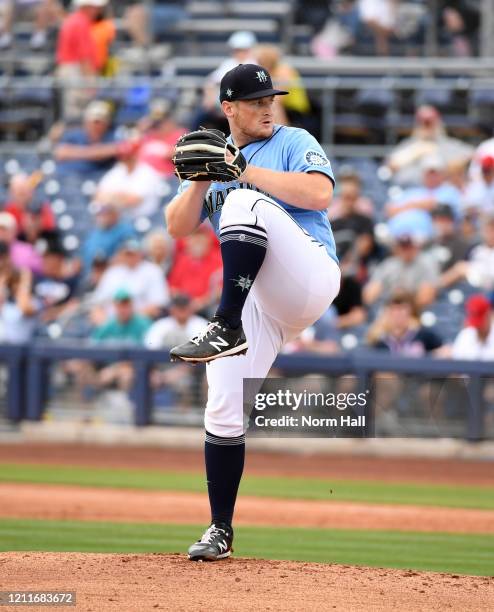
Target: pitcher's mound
[(171, 582)]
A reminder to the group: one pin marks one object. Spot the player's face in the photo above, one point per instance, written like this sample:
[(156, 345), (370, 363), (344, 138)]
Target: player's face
[(254, 119)]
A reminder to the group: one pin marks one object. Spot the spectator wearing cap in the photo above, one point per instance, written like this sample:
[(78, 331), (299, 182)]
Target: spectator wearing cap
[(157, 146), (55, 286), (478, 270), (126, 326), (241, 46), (132, 186), (476, 340), (109, 234), (77, 55), (479, 195), (448, 246), (408, 268), (144, 280), (398, 330), (197, 268), (34, 217), (22, 254), (411, 212), (428, 138), (485, 149), (180, 324), (90, 150)]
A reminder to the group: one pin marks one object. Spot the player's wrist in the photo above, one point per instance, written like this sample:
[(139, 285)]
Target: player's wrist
[(247, 175)]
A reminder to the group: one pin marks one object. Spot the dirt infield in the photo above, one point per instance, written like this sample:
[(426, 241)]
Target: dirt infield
[(106, 582), (389, 469), (170, 582), (99, 504)]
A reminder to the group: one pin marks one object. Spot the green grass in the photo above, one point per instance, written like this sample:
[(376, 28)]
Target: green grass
[(454, 553), (263, 486)]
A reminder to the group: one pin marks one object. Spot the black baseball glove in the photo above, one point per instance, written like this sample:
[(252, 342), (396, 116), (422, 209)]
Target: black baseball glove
[(203, 156)]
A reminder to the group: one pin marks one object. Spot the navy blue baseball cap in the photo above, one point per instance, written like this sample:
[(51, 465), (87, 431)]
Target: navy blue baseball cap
[(247, 82)]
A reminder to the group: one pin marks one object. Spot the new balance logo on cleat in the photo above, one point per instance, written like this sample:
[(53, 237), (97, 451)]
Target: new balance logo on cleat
[(219, 343), (216, 543), (217, 340), (222, 546)]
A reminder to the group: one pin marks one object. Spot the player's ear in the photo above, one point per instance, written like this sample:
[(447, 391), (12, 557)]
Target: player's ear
[(228, 108)]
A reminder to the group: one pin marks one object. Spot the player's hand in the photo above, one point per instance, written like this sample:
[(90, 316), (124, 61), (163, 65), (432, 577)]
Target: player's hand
[(230, 158), (206, 155)]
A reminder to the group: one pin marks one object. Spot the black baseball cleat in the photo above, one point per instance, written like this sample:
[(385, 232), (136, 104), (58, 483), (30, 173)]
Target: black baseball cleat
[(215, 544), (217, 340)]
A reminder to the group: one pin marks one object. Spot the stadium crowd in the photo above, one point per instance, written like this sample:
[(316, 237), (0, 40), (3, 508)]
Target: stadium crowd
[(337, 26), (83, 247)]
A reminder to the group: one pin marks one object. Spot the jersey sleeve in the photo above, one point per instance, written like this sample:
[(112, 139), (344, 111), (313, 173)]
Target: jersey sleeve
[(305, 154)]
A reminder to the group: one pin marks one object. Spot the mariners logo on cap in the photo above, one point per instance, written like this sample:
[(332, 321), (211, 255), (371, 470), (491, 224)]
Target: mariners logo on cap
[(262, 76)]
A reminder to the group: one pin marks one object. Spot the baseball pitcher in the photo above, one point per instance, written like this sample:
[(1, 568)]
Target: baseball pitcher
[(265, 189)]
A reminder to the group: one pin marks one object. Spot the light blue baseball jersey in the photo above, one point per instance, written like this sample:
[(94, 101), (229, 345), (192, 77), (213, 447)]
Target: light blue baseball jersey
[(289, 149)]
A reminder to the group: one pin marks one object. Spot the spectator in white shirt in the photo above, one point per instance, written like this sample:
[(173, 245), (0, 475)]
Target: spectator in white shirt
[(180, 325), (131, 185), (476, 339), (143, 279)]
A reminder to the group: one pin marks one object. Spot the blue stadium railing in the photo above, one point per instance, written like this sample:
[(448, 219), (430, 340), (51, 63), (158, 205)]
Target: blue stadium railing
[(28, 375)]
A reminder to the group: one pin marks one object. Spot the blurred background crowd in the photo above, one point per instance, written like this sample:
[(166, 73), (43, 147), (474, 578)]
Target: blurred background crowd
[(95, 95)]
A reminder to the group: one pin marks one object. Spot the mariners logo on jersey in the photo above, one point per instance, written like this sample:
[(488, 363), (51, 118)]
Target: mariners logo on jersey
[(216, 197), (314, 158)]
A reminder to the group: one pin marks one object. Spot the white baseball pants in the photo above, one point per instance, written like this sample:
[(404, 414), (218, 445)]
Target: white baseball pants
[(296, 284)]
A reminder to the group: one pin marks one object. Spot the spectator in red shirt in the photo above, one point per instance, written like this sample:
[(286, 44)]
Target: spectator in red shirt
[(77, 55), (29, 213), (162, 133), (197, 268)]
